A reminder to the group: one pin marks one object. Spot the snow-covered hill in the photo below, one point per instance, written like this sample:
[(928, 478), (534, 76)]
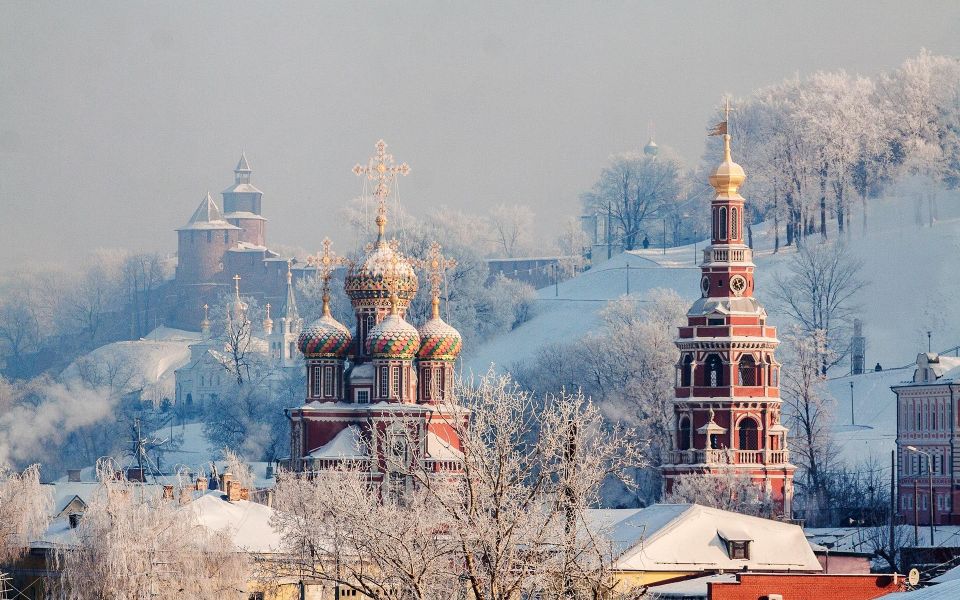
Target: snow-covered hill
[(146, 364), (912, 288)]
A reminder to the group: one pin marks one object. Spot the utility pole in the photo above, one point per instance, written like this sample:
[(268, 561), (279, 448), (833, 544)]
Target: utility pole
[(628, 279), (664, 235), (929, 342), (893, 499), (916, 512), (607, 230)]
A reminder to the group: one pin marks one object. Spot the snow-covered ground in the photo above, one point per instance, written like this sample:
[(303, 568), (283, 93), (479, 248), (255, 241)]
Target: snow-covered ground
[(912, 288), (146, 364)]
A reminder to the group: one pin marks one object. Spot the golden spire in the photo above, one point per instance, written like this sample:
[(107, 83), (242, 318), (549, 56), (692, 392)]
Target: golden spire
[(436, 266), (381, 168), (289, 272), (727, 178), (325, 262), (394, 303)]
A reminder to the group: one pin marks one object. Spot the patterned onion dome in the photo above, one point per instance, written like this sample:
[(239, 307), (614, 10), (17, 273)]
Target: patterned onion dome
[(325, 338), (393, 337), (438, 340), (383, 271)]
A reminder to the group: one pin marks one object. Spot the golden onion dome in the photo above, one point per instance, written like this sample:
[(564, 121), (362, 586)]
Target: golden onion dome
[(383, 271), (727, 178)]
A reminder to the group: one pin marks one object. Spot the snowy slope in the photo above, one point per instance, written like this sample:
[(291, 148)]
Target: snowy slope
[(912, 288), (146, 364)]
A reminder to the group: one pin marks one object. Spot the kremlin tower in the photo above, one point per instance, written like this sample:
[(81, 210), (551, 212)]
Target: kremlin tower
[(727, 401), (375, 396)]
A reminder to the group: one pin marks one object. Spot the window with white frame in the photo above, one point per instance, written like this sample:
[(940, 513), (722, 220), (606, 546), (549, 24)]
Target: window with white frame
[(395, 382), (362, 396), (315, 383), (328, 382), (384, 381)]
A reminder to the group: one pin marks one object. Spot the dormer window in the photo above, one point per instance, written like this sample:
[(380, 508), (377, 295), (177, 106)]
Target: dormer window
[(738, 550), (715, 322)]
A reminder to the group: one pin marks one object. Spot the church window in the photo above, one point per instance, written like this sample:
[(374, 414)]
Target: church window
[(384, 382), (436, 391), (715, 443), (328, 382), (395, 383), (315, 383), (686, 371), (715, 322), (428, 382), (713, 373), (748, 371), (747, 433), (907, 502), (209, 236), (290, 348), (189, 399), (202, 381), (363, 396), (734, 224), (723, 223), (684, 442)]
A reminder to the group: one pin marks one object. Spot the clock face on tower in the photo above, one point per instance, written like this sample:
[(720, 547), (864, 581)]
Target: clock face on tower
[(738, 284), (705, 286)]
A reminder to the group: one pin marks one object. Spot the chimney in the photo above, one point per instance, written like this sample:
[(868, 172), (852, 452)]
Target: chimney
[(201, 484), (73, 475), (186, 495), (244, 494), (168, 492), (233, 490), (74, 520)]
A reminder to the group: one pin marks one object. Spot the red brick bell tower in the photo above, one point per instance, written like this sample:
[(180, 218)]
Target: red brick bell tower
[(727, 403)]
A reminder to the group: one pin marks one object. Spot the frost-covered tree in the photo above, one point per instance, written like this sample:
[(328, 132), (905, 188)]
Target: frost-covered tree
[(633, 187), (808, 410), (134, 544), (24, 511), (512, 227), (511, 522), (819, 291), (727, 491)]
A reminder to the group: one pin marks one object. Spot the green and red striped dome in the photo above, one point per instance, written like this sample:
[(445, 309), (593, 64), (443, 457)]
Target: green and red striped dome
[(439, 340), (393, 337), (325, 338)]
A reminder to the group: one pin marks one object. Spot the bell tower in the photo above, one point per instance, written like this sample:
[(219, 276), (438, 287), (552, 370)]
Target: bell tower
[(727, 397)]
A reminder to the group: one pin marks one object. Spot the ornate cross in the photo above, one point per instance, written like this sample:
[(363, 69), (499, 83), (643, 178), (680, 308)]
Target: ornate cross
[(236, 284), (436, 266), (381, 168), (325, 262)]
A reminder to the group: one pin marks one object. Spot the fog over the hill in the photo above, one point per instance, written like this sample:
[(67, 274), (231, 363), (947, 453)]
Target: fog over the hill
[(116, 118)]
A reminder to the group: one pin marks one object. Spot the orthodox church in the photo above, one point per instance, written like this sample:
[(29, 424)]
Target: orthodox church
[(378, 395), (727, 397)]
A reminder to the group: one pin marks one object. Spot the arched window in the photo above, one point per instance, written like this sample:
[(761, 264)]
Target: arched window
[(723, 222), (713, 371), (683, 441), (747, 434), (748, 370), (734, 228), (686, 371), (189, 399)]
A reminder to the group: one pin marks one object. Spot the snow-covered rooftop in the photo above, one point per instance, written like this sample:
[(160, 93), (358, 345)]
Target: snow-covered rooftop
[(688, 537), (207, 216), (346, 444)]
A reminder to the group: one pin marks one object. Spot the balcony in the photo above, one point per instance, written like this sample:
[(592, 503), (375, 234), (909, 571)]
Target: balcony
[(723, 457), (724, 255)]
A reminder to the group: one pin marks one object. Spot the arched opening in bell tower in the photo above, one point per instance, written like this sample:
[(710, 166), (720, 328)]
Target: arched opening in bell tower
[(713, 371), (683, 441), (747, 431)]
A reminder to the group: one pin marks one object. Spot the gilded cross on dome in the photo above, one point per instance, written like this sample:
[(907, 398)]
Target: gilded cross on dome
[(382, 169), (325, 262), (436, 266)]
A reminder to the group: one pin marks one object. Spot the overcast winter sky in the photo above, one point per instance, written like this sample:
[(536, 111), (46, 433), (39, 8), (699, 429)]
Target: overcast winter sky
[(117, 117)]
